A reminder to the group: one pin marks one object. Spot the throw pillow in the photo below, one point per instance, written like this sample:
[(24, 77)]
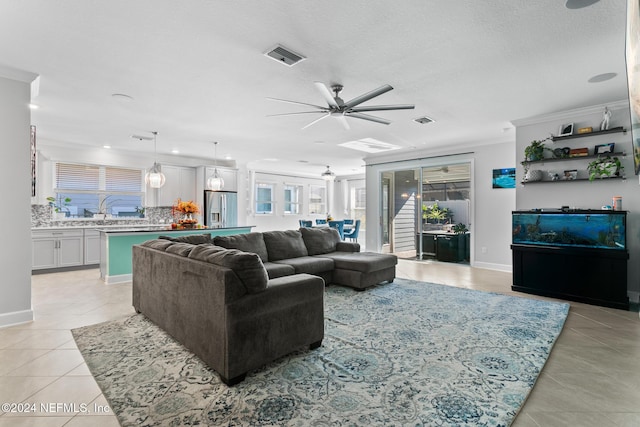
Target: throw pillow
[(249, 242), (320, 240), (194, 239), (182, 249), (284, 244), (247, 266)]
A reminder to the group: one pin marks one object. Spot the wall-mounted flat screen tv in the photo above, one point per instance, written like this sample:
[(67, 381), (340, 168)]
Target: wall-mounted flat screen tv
[(504, 178)]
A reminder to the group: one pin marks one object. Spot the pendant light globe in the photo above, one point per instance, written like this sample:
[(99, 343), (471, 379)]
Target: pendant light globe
[(215, 181), (155, 178)]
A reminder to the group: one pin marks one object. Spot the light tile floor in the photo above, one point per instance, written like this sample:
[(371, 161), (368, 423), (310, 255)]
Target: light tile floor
[(591, 379)]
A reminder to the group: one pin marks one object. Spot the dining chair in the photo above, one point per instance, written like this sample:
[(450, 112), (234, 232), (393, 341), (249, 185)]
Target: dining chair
[(338, 225), (348, 222), (353, 233), (306, 223), (321, 221)]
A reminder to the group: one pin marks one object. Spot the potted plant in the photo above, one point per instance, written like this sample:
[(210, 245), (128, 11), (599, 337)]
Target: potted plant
[(534, 152), (606, 166), (434, 214), (465, 244), (103, 207), (460, 228), (59, 205)]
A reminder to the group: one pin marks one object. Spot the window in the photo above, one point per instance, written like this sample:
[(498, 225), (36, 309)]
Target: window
[(317, 199), (264, 198), (359, 203), (292, 196), (99, 189)]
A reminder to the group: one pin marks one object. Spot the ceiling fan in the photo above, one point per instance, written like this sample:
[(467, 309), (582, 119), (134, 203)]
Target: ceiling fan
[(339, 109)]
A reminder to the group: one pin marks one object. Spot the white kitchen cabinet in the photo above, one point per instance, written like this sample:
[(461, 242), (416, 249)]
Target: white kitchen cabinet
[(57, 248), (91, 247), (180, 182)]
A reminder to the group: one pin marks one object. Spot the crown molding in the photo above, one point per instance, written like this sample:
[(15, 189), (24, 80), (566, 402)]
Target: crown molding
[(571, 114)]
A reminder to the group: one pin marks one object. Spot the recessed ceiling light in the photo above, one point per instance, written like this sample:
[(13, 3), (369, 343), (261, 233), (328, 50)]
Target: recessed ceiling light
[(175, 151), (228, 157), (579, 4), (106, 146), (602, 77), (121, 97), (34, 106)]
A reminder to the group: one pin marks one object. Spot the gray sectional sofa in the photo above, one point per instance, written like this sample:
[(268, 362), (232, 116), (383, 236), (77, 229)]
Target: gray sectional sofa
[(239, 302), (317, 251)]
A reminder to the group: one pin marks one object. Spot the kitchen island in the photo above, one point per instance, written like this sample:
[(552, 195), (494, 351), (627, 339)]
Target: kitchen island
[(116, 244)]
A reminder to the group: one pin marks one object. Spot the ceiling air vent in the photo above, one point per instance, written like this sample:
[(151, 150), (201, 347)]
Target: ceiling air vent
[(284, 55), (424, 120)]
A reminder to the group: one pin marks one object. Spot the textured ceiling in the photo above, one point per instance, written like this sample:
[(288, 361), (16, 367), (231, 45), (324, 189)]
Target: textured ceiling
[(197, 73)]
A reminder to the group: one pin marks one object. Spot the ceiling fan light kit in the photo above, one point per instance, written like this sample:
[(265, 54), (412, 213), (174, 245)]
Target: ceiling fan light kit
[(155, 178), (328, 175), (337, 108)]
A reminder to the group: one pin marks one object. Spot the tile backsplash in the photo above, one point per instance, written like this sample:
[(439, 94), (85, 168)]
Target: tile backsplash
[(41, 216)]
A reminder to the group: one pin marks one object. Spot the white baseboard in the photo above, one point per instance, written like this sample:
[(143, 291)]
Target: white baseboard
[(634, 296), (491, 266), (15, 318), (120, 278)]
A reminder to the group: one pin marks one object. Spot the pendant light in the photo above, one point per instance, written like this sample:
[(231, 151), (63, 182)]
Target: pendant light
[(215, 182), (328, 175), (155, 178)]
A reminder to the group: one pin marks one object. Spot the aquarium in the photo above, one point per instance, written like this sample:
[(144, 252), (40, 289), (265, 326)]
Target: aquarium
[(585, 228)]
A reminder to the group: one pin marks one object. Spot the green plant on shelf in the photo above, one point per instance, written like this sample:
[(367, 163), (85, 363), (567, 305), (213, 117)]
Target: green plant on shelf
[(604, 167), (534, 152)]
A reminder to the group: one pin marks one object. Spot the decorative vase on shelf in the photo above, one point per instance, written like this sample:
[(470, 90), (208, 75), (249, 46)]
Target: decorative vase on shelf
[(533, 175)]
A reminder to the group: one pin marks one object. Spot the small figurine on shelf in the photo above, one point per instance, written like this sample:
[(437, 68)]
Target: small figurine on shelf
[(329, 217), (606, 116)]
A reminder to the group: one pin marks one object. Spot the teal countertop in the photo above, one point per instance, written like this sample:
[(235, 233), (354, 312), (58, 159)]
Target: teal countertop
[(166, 229), (116, 246)]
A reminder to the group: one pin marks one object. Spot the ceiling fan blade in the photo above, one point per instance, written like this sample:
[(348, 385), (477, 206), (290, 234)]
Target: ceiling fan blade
[(384, 107), (293, 114), (296, 102), (326, 94), (342, 119), (367, 96), (368, 117), (317, 120)]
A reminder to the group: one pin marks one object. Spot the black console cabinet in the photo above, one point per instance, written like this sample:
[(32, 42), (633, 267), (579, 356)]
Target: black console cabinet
[(592, 276), (579, 255)]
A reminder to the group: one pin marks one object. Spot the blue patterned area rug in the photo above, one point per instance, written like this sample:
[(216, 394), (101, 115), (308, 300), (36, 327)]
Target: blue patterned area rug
[(405, 353)]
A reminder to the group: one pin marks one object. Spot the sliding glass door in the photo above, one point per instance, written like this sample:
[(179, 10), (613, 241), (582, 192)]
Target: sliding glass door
[(422, 203)]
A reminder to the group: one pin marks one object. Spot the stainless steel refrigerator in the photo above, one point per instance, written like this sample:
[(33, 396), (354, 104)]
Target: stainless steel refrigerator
[(220, 208)]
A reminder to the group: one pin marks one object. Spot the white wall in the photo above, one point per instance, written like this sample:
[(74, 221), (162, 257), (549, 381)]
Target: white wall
[(490, 208), (585, 194), (15, 174)]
